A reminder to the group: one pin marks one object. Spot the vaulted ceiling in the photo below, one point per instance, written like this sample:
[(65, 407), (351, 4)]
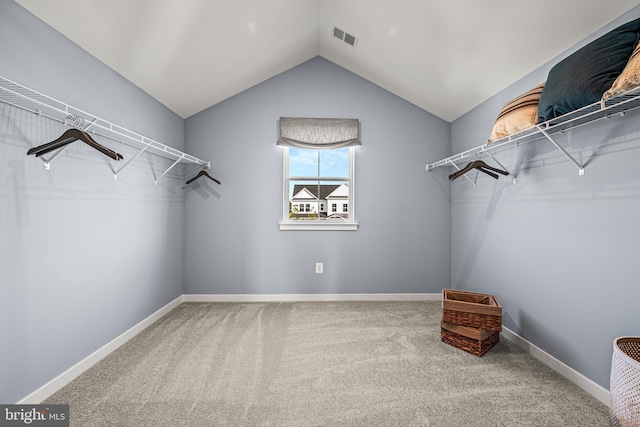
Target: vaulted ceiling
[(445, 56)]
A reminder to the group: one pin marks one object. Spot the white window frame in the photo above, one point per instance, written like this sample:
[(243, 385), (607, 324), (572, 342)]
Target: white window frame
[(347, 225)]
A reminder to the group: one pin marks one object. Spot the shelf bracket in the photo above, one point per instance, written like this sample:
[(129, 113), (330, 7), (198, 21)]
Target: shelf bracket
[(169, 168), (515, 180), (465, 175), (565, 152), (142, 150), (47, 162)]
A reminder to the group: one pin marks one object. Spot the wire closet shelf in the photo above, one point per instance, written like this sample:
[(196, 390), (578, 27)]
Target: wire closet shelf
[(617, 105), (22, 97)]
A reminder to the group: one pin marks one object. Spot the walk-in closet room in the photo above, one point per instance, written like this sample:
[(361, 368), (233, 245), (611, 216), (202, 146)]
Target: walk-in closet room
[(319, 213)]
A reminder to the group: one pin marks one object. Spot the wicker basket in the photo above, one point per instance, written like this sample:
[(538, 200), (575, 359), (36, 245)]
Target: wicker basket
[(625, 382), (472, 340), (471, 309)]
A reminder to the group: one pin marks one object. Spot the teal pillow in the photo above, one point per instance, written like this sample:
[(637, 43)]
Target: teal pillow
[(582, 78)]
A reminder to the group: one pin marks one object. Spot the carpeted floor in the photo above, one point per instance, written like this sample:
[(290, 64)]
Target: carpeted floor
[(318, 364)]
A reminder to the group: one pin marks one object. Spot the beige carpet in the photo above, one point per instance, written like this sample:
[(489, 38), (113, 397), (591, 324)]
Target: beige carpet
[(318, 364)]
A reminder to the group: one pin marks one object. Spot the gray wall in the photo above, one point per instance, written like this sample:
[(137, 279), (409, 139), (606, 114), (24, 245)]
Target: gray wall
[(233, 243), (82, 257), (559, 250)]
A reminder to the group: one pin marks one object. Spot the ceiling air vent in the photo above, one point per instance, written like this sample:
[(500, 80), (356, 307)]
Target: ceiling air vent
[(349, 39)]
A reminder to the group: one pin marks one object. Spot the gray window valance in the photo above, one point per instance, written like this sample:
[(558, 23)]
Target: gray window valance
[(319, 134)]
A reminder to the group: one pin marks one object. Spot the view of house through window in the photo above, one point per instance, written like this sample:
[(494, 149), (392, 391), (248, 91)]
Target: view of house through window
[(318, 183)]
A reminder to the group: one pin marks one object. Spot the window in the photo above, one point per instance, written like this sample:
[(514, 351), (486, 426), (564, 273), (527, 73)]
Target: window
[(315, 179), (318, 172)]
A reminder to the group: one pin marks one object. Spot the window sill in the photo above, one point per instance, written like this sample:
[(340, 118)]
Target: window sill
[(314, 226)]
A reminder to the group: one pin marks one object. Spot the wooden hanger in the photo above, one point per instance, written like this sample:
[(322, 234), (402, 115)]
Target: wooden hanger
[(479, 165), (203, 173), (69, 136)]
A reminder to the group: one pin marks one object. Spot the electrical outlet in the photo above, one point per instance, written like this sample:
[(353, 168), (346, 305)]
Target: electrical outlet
[(319, 268)]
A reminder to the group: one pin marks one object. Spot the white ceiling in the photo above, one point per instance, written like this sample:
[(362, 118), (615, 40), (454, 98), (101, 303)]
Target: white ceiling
[(445, 56)]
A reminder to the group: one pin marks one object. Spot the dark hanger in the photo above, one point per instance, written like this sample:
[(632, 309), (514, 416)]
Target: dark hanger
[(69, 136), (479, 165), (203, 173)]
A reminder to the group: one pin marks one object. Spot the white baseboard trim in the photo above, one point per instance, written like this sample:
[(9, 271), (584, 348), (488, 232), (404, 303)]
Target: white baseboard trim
[(310, 297), (73, 372), (594, 389)]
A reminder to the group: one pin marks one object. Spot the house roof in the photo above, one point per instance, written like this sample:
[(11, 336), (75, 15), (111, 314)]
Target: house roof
[(443, 56), (325, 189)]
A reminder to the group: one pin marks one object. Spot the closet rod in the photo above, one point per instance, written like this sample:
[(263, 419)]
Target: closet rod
[(22, 97)]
